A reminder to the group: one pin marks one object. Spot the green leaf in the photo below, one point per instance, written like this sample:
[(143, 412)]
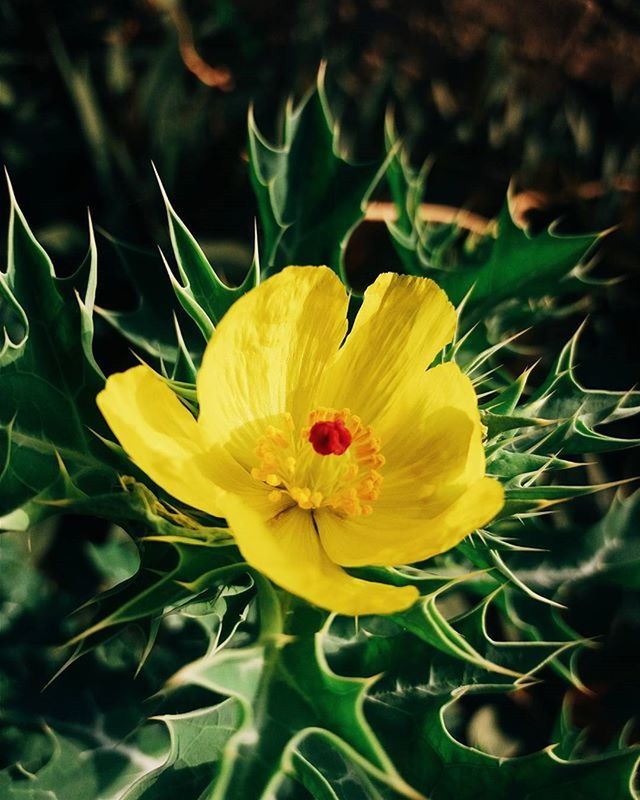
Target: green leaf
[(406, 184), (149, 326), (528, 437), (81, 737), (580, 411), (297, 711), (331, 774), (607, 552), (310, 198), (504, 263), (411, 725), (287, 692), (466, 639), (308, 705), (202, 294), (197, 742), (49, 383), (76, 770), (516, 264), (54, 450), (173, 572)]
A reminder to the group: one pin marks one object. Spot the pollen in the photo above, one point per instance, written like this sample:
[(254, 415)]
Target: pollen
[(292, 463)]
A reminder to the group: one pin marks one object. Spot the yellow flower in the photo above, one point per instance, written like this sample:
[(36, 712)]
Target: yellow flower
[(321, 453)]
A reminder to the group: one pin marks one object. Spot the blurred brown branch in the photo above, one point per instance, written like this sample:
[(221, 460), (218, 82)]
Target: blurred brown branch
[(216, 77), (521, 203), (430, 212)]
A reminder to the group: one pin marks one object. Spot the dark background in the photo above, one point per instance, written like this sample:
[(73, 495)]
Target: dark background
[(543, 92)]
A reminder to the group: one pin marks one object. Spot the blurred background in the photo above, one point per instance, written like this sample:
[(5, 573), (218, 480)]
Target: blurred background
[(539, 95), (542, 92)]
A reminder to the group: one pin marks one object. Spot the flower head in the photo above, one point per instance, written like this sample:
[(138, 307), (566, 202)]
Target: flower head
[(321, 452)]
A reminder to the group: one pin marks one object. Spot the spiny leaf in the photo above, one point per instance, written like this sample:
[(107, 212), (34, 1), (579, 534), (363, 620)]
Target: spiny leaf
[(75, 769), (607, 552), (466, 638), (411, 725), (527, 438), (309, 197), (580, 411), (148, 327), (516, 264), (503, 263), (202, 294), (406, 184), (300, 711), (511, 465), (54, 450), (197, 741), (49, 379), (167, 568), (287, 692)]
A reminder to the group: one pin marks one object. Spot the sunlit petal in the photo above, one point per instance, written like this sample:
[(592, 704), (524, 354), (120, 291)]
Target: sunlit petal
[(431, 435), (402, 325), (267, 354), (160, 435), (389, 537), (287, 550)]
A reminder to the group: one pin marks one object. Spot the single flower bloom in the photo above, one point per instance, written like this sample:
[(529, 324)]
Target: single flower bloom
[(321, 452)]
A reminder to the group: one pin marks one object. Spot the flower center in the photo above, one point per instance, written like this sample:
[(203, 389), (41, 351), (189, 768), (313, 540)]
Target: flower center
[(294, 463), (330, 438)]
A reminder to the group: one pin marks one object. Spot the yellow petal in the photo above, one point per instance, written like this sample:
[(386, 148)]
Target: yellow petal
[(432, 441), (432, 469), (402, 325), (267, 354), (388, 539), (160, 435), (287, 550), (431, 435)]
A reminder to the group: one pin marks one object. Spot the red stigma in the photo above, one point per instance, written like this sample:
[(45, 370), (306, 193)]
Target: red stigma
[(330, 438)]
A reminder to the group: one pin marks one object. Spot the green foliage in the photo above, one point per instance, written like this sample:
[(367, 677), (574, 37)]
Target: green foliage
[(310, 198), (202, 294), (503, 264), (526, 435), (48, 373), (342, 709), (241, 689), (153, 326)]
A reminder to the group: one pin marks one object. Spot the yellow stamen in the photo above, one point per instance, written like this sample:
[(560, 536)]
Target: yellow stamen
[(346, 484)]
